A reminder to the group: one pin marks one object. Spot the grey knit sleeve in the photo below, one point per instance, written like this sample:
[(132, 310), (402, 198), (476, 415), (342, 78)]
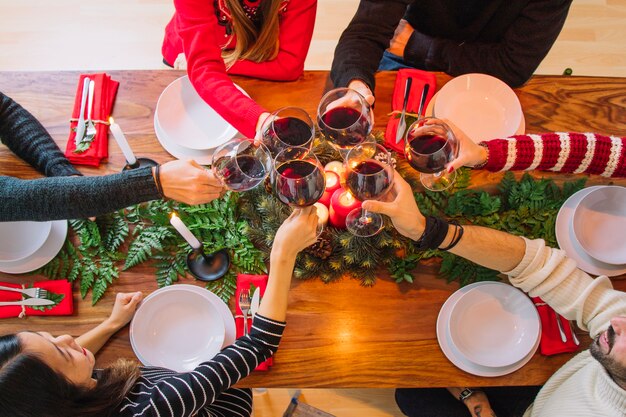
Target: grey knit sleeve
[(21, 132), (74, 197)]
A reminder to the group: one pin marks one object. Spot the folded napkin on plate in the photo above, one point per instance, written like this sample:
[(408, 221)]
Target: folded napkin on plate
[(105, 90), (243, 284), (551, 343), (61, 286), (420, 78)]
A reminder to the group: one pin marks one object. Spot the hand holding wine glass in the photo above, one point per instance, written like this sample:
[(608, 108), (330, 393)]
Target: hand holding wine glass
[(287, 127), (241, 164)]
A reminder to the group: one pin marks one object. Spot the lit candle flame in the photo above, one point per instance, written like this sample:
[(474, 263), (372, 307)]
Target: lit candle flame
[(349, 197), (111, 121)]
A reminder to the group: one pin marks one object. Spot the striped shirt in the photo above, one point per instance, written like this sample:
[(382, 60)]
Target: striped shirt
[(205, 391)]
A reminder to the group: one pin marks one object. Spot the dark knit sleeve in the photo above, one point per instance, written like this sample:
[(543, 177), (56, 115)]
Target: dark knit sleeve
[(74, 197), (28, 139), (513, 59), (183, 394), (362, 44)]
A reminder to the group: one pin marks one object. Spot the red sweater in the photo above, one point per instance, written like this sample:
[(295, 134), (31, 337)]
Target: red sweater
[(195, 29)]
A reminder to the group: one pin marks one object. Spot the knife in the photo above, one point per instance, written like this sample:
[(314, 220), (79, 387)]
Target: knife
[(80, 124), (402, 124), (256, 300), (28, 302)]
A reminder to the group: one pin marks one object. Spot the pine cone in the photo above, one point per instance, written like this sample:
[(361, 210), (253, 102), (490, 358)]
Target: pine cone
[(268, 186), (322, 248)]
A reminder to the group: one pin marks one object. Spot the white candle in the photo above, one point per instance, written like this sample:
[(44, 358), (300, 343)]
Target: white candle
[(122, 142), (184, 232), (322, 214), (335, 166)]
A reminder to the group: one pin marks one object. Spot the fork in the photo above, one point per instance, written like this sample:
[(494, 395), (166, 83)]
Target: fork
[(31, 292), (91, 128), (244, 305)]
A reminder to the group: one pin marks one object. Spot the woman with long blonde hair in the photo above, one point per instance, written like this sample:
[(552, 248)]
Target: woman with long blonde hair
[(266, 39)]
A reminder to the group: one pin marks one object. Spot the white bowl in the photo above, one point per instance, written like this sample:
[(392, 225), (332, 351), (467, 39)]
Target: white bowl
[(19, 240), (481, 105), (176, 328), (600, 224), (188, 120), (494, 325)]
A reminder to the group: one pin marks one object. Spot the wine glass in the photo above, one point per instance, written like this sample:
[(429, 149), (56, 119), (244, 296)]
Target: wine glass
[(287, 127), (241, 164), (429, 146), (369, 176), (344, 118), (299, 179)]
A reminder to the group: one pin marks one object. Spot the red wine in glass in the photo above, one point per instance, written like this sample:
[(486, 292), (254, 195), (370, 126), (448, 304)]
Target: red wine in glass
[(368, 180), (299, 183), (429, 153), (286, 132), (240, 173), (345, 126)]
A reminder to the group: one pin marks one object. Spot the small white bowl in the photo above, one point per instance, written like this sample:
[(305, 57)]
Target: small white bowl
[(494, 325), (19, 240), (600, 224)]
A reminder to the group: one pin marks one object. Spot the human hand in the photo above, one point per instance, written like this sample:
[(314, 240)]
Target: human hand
[(363, 89), (402, 209), (124, 309), (352, 100), (297, 232), (470, 154), (189, 183), (478, 405), (260, 126), (400, 38)]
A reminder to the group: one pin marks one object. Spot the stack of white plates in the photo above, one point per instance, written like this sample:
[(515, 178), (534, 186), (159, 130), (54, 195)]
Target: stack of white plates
[(480, 105), (186, 126), (26, 246), (180, 326), (590, 228), (488, 329)]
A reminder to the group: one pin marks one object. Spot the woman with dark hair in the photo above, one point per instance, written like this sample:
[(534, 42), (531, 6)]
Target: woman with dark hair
[(266, 39), (46, 376)]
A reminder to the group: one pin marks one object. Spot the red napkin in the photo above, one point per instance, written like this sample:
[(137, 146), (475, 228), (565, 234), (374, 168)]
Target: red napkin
[(551, 343), (420, 78), (105, 90), (64, 308), (243, 284)]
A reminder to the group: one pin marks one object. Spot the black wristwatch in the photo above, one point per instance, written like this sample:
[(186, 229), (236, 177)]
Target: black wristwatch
[(465, 394)]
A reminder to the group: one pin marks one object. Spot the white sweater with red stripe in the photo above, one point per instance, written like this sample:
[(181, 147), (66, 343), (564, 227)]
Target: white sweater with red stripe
[(588, 153)]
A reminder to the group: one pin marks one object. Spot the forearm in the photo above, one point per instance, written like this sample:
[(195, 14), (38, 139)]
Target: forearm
[(274, 305), (73, 197), (95, 338)]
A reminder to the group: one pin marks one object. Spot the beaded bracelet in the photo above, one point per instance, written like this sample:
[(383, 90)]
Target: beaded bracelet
[(482, 164)]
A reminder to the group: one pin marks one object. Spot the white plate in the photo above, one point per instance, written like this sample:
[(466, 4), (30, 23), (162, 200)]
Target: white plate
[(188, 120), (230, 334), (494, 325), (179, 152), (177, 329), (50, 249), (600, 224), (481, 105), (564, 229), (19, 240), (454, 356)]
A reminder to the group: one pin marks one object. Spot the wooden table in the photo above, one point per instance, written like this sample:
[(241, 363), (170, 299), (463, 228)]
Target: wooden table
[(339, 334)]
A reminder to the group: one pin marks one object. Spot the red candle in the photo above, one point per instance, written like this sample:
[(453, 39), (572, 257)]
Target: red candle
[(342, 203), (333, 183)]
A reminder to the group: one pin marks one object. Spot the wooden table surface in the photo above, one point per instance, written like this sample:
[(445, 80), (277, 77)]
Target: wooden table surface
[(339, 334)]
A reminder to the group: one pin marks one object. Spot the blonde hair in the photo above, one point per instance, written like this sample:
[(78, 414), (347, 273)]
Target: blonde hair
[(257, 44)]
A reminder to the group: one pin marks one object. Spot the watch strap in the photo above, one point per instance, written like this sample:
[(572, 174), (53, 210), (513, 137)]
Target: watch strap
[(465, 394)]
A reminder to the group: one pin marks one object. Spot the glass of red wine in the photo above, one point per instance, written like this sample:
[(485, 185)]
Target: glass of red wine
[(241, 164), (344, 118), (429, 146), (369, 176), (299, 179), (288, 127)]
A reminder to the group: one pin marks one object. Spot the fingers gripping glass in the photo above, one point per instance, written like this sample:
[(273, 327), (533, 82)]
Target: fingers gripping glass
[(241, 165), (429, 146)]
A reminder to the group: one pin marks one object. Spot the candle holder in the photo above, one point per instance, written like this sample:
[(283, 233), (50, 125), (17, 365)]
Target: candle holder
[(209, 267), (140, 163)]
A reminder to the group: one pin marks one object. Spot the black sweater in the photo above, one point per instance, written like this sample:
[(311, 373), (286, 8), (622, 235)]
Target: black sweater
[(61, 195), (506, 39)]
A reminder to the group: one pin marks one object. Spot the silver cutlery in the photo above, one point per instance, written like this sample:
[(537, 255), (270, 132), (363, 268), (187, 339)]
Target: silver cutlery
[(91, 127), (558, 322), (28, 302), (402, 124), (574, 338), (423, 100), (31, 292), (80, 124), (244, 305)]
